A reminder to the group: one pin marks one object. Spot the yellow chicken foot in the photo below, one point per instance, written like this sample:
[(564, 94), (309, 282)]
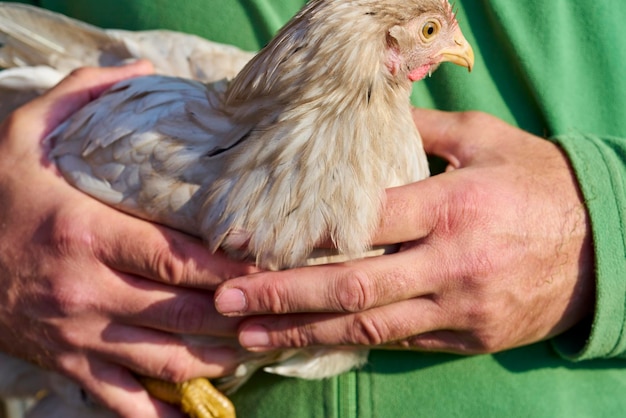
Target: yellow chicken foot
[(197, 398)]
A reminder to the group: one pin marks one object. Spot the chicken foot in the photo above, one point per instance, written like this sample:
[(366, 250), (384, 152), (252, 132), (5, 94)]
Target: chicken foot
[(197, 398)]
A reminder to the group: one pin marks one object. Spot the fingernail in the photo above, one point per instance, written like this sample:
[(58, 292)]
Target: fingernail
[(254, 336), (231, 301)]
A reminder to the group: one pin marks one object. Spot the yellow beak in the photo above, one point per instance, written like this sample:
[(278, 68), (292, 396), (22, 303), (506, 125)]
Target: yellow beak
[(461, 53)]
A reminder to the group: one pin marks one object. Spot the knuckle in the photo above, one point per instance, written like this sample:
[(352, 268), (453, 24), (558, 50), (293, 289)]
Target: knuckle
[(68, 304), (69, 338), (476, 314), (354, 292), (436, 341), (483, 263), (480, 269), (477, 271), (484, 334), (367, 331), (11, 121), (167, 266), (273, 298), (68, 364), (83, 73), (483, 343), (67, 240), (469, 200), (69, 235), (287, 332), (475, 117), (460, 208), (185, 315), (65, 298), (460, 342), (177, 368), (295, 337)]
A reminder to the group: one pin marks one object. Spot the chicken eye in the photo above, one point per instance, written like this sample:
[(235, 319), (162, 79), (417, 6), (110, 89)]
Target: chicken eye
[(430, 29)]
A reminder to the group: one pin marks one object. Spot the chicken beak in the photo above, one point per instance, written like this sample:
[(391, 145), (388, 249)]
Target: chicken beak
[(460, 54)]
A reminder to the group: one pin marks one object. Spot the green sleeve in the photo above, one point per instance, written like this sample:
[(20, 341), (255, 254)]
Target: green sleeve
[(570, 60), (600, 164), (555, 69)]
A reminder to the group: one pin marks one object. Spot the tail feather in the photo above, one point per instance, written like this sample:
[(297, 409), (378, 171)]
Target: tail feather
[(32, 36), (42, 47), (20, 85)]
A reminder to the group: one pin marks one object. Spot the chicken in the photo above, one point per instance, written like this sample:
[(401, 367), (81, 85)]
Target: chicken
[(47, 46), (294, 151)]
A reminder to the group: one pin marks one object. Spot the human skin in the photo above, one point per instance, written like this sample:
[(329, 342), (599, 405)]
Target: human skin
[(497, 254), (91, 292)]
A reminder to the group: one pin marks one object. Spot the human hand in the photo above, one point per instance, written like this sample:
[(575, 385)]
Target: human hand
[(496, 255), (87, 290)]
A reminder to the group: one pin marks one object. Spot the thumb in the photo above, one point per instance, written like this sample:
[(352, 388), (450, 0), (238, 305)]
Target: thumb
[(412, 211), (453, 136), (76, 90)]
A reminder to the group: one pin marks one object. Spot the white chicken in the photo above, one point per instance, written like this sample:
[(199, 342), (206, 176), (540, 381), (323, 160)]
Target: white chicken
[(296, 150)]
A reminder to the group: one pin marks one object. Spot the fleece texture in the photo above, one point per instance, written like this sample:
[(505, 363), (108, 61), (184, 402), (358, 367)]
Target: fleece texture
[(554, 68)]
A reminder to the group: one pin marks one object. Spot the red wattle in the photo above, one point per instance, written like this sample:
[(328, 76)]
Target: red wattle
[(420, 72)]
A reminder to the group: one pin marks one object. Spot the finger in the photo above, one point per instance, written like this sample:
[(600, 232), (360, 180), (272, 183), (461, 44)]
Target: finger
[(350, 287), (75, 91), (135, 301), (445, 340), (164, 255), (370, 328), (454, 136), (116, 389), (84, 85), (412, 211), (165, 356)]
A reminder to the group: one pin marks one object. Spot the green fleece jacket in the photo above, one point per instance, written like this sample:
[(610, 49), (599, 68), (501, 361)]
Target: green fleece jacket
[(554, 68)]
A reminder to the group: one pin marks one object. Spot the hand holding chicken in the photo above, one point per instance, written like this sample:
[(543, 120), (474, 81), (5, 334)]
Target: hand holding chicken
[(296, 150), (499, 256)]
